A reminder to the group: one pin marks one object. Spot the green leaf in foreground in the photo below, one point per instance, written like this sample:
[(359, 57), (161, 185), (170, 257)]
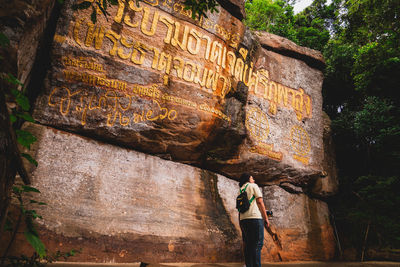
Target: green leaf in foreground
[(21, 99), (25, 138), (30, 159), (27, 188), (26, 116), (83, 5), (13, 80), (13, 118), (32, 201), (4, 41), (36, 243), (93, 16), (16, 190)]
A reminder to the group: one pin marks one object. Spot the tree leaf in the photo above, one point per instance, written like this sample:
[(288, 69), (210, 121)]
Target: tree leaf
[(105, 13), (26, 116), (33, 214), (21, 99), (25, 138), (32, 201), (30, 159), (13, 118), (13, 80), (27, 188), (23, 102), (16, 190), (4, 41), (36, 243), (93, 16), (83, 5)]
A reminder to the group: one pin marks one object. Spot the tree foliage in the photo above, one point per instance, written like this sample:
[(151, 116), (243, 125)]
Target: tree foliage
[(367, 119), (309, 28), (360, 40)]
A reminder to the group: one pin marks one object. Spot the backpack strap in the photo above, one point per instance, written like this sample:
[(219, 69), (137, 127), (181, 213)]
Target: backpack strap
[(251, 199), (244, 190)]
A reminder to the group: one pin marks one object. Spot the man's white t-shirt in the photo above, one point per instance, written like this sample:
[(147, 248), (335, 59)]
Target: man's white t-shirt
[(253, 212)]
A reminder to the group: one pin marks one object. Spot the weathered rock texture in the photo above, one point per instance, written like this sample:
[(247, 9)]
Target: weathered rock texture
[(124, 206), (328, 185), (302, 225), (284, 46), (198, 92), (283, 126)]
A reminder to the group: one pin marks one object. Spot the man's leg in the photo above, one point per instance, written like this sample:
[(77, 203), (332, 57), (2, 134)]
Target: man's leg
[(260, 241), (245, 226)]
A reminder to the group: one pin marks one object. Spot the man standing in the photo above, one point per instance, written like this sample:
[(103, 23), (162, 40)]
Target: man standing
[(252, 221)]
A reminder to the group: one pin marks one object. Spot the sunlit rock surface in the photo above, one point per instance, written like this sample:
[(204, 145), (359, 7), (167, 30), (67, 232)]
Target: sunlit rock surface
[(201, 92), (121, 205)]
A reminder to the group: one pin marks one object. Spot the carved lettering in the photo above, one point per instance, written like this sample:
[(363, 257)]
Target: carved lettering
[(114, 37), (95, 34), (145, 20), (175, 40)]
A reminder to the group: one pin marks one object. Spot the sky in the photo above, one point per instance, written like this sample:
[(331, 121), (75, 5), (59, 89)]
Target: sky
[(301, 4)]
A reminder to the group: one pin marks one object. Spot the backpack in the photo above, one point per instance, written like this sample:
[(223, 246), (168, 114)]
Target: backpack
[(242, 202)]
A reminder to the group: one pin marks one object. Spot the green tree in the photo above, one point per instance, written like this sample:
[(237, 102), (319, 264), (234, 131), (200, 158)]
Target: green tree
[(362, 77), (309, 28), (360, 40)]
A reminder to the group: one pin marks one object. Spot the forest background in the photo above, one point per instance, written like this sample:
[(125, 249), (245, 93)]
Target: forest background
[(360, 41)]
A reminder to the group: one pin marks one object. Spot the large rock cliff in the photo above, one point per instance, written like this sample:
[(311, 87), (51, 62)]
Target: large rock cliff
[(147, 117)]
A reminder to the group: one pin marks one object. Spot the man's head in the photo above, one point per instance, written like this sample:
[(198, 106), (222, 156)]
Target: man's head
[(244, 178)]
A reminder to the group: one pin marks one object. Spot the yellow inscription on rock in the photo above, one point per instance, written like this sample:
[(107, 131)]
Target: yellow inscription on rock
[(257, 124), (278, 94), (216, 78), (300, 143), (267, 150)]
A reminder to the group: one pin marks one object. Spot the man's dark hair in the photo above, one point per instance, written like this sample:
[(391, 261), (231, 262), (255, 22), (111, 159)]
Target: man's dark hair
[(244, 178)]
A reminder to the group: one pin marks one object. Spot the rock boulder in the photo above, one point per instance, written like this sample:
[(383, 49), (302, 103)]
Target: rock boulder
[(302, 225), (201, 92), (124, 206)]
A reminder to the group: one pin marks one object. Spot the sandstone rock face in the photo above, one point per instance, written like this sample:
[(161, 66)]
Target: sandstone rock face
[(302, 225), (283, 125), (124, 206), (284, 46), (329, 185), (199, 92)]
